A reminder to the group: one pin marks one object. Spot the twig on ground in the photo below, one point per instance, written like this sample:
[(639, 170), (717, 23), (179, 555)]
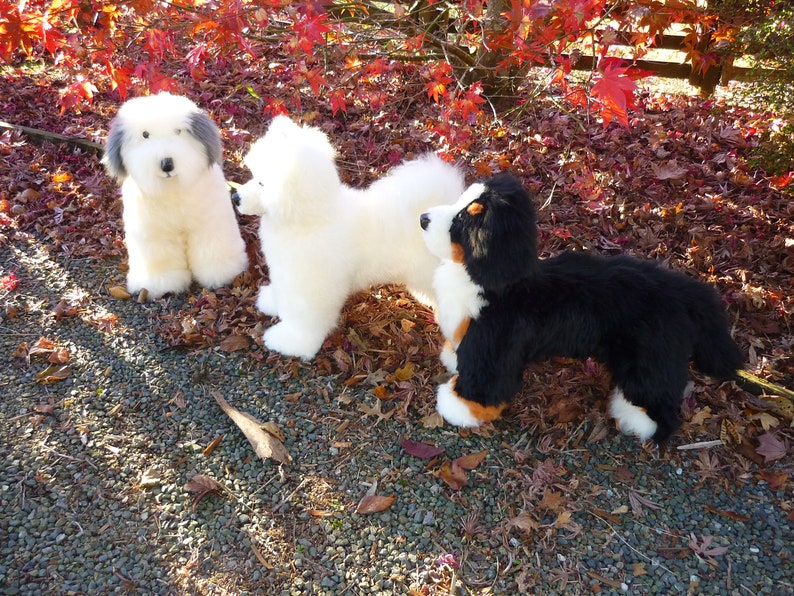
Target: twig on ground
[(701, 445), (54, 137)]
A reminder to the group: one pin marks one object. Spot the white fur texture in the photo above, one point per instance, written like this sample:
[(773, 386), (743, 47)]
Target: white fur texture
[(324, 241), (178, 224), (458, 299), (630, 419), (452, 408)]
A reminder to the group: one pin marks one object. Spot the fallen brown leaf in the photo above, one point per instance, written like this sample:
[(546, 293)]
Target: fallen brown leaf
[(22, 350), (119, 292), (232, 343), (523, 521), (563, 519), (376, 410), (452, 474), (374, 504), (55, 372), (552, 501), (637, 501), (434, 420), (59, 356), (404, 373), (471, 461), (771, 447), (774, 479), (211, 447), (265, 444), (202, 485)]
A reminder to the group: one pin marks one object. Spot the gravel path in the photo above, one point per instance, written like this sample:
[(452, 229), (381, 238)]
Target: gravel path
[(94, 467)]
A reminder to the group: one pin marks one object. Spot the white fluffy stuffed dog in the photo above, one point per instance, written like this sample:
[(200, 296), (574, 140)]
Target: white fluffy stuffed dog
[(324, 241), (178, 222)]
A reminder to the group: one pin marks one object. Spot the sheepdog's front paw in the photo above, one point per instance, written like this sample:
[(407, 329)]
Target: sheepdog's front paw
[(291, 340), (459, 411), (174, 281), (221, 272), (266, 301)]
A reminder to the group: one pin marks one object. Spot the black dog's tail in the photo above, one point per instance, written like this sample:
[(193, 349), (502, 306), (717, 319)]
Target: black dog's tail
[(715, 353)]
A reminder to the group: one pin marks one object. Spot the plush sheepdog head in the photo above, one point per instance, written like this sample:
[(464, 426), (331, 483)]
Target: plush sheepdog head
[(161, 141), (294, 174), (491, 230)]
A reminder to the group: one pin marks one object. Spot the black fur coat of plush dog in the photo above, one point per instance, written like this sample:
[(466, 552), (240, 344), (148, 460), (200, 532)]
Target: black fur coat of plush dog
[(500, 307)]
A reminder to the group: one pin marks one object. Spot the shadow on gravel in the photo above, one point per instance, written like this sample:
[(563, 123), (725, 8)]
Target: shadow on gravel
[(95, 462)]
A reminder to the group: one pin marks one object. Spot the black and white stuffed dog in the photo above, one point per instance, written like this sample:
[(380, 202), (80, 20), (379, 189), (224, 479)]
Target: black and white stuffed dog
[(500, 307)]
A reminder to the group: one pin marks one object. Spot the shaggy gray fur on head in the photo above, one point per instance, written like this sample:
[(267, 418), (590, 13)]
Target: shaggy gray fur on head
[(204, 130), (112, 158), (199, 125)]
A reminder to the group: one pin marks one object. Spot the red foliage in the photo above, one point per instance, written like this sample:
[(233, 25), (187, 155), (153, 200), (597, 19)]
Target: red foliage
[(139, 44)]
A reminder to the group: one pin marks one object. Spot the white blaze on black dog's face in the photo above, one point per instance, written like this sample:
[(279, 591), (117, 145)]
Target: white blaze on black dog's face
[(492, 230), (437, 223)]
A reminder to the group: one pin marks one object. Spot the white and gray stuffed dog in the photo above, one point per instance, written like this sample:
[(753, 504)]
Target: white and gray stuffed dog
[(178, 222), (323, 241)]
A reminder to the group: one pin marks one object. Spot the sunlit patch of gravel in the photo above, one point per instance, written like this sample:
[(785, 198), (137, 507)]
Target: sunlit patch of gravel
[(92, 496)]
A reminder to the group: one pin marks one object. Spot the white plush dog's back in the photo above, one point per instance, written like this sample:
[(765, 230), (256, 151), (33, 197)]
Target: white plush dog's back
[(324, 241), (387, 235)]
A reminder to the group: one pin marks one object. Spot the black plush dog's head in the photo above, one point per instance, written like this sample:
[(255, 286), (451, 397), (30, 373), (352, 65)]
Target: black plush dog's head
[(497, 232)]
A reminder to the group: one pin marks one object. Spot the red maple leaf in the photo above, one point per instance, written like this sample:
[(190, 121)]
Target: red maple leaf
[(311, 31), (337, 98), (615, 93), (470, 104)]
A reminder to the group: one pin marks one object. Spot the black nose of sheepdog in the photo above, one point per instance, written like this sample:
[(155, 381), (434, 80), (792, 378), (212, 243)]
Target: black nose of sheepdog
[(424, 220), (167, 165), (236, 199)]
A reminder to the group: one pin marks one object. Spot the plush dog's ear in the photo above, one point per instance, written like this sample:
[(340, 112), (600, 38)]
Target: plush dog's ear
[(112, 158), (204, 130), (499, 234)]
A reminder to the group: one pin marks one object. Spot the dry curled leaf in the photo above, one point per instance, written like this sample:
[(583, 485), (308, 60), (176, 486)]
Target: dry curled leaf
[(55, 372), (471, 461), (59, 356), (212, 446), (404, 373), (451, 473), (374, 504), (149, 479), (637, 501), (202, 485), (264, 443), (728, 433), (119, 293), (524, 521), (434, 420), (22, 351), (552, 501)]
